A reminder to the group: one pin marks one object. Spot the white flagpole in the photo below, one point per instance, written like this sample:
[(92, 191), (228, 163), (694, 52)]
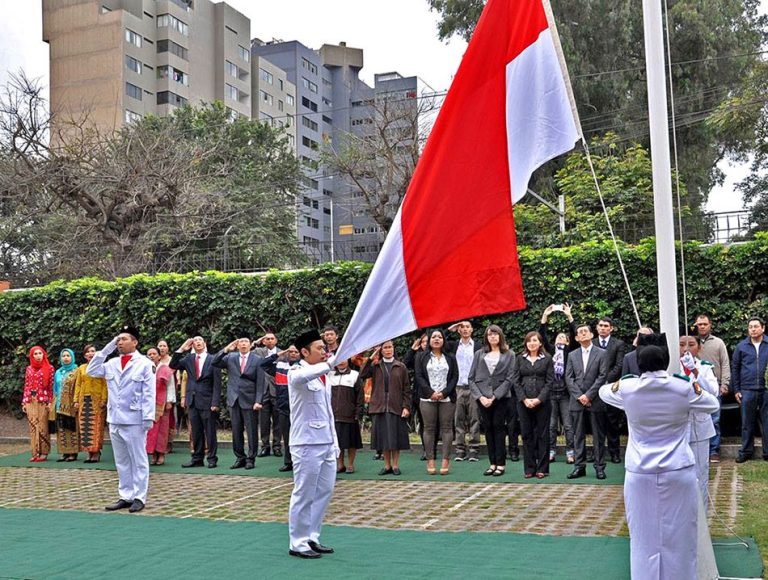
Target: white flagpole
[(662, 178)]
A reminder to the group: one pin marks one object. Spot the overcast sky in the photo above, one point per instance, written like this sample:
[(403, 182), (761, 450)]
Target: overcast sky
[(396, 35)]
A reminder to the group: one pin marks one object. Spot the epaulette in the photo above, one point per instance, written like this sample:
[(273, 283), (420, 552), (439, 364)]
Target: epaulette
[(706, 362), (629, 376), (685, 378), (615, 386)]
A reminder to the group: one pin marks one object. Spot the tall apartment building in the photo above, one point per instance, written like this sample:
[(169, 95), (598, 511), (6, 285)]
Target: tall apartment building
[(117, 60)]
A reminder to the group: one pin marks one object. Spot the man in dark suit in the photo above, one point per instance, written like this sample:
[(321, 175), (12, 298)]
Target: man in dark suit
[(615, 349), (629, 366), (203, 398), (245, 392), (585, 373), (268, 417)]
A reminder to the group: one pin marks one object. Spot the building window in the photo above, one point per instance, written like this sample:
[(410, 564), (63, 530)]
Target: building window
[(231, 92), (290, 100), (169, 98), (267, 77), (105, 9), (311, 105), (268, 119), (280, 105), (173, 48), (132, 64), (170, 21), (231, 69), (280, 83), (267, 98), (309, 123), (311, 242), (172, 73), (183, 4), (312, 222), (308, 84), (289, 120), (132, 37), (326, 210), (306, 65), (291, 140), (133, 91), (245, 54), (310, 143), (131, 117), (315, 204), (310, 183)]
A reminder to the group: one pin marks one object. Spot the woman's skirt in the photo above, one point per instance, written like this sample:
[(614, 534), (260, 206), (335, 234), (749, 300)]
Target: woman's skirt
[(67, 437), (92, 418), (389, 432), (39, 437), (349, 435), (157, 438)]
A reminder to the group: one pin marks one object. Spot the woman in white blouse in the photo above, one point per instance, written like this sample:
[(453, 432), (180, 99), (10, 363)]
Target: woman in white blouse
[(437, 373)]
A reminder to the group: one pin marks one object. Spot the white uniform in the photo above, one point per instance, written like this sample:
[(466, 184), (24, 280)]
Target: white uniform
[(130, 414), (702, 429), (660, 488), (314, 449)]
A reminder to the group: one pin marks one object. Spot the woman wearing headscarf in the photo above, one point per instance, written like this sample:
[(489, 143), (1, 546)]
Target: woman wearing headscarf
[(36, 401), (437, 374), (91, 405), (67, 436), (165, 396)]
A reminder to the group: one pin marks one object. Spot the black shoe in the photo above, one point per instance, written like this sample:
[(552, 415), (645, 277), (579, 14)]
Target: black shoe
[(120, 504), (309, 554), (423, 457), (193, 463), (590, 458), (238, 464), (378, 456), (473, 456), (212, 464), (600, 473), (576, 473), (277, 452), (385, 471), (396, 471), (285, 468), (514, 456), (460, 457), (263, 452), (136, 506), (742, 459), (615, 458), (250, 464), (319, 548)]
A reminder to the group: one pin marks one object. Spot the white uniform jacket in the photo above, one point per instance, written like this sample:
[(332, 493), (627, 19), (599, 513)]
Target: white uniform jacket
[(131, 391), (311, 413), (658, 407), (702, 427)]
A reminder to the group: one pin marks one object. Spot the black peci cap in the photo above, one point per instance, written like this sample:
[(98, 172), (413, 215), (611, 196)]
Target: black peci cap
[(130, 329), (304, 340)]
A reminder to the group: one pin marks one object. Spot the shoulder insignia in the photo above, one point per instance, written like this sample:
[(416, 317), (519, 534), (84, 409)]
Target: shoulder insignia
[(682, 377), (629, 376), (706, 362), (615, 386)]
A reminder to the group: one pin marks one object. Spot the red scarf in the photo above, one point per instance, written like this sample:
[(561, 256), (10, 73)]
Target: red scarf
[(44, 364)]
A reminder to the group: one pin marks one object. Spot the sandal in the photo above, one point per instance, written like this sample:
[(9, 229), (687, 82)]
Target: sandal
[(490, 470), (341, 469), (350, 469), (445, 470), (499, 472)]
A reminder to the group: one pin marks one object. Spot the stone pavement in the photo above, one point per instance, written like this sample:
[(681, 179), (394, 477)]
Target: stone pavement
[(552, 509)]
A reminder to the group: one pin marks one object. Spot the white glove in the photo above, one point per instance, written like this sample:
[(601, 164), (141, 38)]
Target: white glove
[(331, 360), (147, 424), (337, 451), (688, 361)]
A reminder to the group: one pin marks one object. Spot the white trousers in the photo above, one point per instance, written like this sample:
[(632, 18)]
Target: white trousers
[(129, 444), (701, 457), (314, 475), (662, 512)]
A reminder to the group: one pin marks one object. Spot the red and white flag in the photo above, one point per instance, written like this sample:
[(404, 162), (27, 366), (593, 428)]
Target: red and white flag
[(452, 252)]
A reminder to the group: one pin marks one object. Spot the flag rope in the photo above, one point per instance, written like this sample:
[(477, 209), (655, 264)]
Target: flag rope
[(683, 280), (613, 236)]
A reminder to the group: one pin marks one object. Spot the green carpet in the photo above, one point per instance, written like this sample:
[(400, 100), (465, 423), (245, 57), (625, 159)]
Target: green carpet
[(365, 468), (58, 545)]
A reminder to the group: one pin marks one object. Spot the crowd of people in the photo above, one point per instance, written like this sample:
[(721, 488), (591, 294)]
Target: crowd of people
[(449, 386)]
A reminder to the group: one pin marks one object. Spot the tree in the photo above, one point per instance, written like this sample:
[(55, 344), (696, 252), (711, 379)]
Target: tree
[(378, 160), (715, 45), (75, 201), (626, 179)]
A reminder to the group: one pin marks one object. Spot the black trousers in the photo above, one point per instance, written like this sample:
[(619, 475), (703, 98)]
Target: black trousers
[(493, 421), (203, 424), (243, 419), (615, 419), (268, 418), (513, 425), (285, 428), (534, 424), (598, 420)]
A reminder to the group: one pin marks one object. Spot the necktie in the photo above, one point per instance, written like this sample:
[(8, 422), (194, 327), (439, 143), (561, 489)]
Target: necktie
[(603, 343), (322, 378), (242, 364), (124, 360), (197, 366)]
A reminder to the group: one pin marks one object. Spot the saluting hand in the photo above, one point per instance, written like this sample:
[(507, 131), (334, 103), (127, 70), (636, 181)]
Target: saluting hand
[(186, 346), (231, 346)]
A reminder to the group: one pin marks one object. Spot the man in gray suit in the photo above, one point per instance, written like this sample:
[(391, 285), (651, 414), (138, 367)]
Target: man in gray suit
[(585, 373), (245, 392)]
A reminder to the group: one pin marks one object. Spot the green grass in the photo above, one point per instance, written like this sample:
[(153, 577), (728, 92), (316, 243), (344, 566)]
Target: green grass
[(752, 519)]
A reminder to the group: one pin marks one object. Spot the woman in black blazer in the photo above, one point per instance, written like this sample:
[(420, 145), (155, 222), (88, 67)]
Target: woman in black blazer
[(534, 376), (490, 382), (437, 373)]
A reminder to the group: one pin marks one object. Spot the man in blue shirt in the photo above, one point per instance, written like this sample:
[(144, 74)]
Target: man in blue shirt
[(748, 382)]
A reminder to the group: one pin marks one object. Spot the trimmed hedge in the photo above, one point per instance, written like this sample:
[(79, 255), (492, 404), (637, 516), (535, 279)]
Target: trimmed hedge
[(730, 283)]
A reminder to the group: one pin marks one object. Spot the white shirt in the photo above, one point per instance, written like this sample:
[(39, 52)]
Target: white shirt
[(605, 340), (585, 356), (203, 355), (465, 353), (437, 370)]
